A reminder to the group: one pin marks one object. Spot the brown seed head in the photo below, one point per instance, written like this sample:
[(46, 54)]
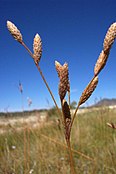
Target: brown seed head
[(88, 90), (67, 118), (64, 84), (66, 110), (109, 38), (14, 31), (37, 48), (102, 59)]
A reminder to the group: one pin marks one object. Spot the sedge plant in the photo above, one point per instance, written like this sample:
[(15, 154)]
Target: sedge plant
[(66, 118)]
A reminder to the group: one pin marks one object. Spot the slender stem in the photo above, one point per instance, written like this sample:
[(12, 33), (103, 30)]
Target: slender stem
[(24, 138), (28, 147), (74, 116), (71, 158), (79, 105), (25, 150), (38, 67), (27, 49), (67, 131)]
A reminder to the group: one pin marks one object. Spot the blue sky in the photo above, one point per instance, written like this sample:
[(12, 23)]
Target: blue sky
[(72, 32)]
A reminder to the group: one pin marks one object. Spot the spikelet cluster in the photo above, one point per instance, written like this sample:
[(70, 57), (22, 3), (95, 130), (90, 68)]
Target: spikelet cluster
[(101, 62), (14, 31), (108, 41), (67, 118), (37, 48), (109, 38), (66, 110), (63, 74), (88, 90)]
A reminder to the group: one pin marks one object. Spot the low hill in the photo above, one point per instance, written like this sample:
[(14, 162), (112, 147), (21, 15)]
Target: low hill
[(105, 102)]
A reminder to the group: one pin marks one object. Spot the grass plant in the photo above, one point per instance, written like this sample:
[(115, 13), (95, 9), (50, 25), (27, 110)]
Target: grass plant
[(65, 116)]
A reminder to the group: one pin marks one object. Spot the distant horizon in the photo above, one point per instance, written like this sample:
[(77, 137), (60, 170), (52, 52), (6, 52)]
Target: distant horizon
[(40, 109)]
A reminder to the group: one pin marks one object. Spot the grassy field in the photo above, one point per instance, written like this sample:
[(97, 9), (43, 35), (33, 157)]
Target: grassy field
[(42, 149)]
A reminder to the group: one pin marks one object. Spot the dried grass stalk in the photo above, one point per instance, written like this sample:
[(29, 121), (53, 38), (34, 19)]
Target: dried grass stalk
[(88, 90), (63, 74), (109, 38), (14, 31), (66, 110), (37, 48), (101, 62)]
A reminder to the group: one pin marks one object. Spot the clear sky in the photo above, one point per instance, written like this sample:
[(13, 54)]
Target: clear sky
[(71, 31)]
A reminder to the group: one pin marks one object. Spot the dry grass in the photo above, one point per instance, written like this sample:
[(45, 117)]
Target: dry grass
[(46, 153)]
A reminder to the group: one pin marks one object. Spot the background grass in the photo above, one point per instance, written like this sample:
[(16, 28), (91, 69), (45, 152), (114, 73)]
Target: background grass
[(42, 150)]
